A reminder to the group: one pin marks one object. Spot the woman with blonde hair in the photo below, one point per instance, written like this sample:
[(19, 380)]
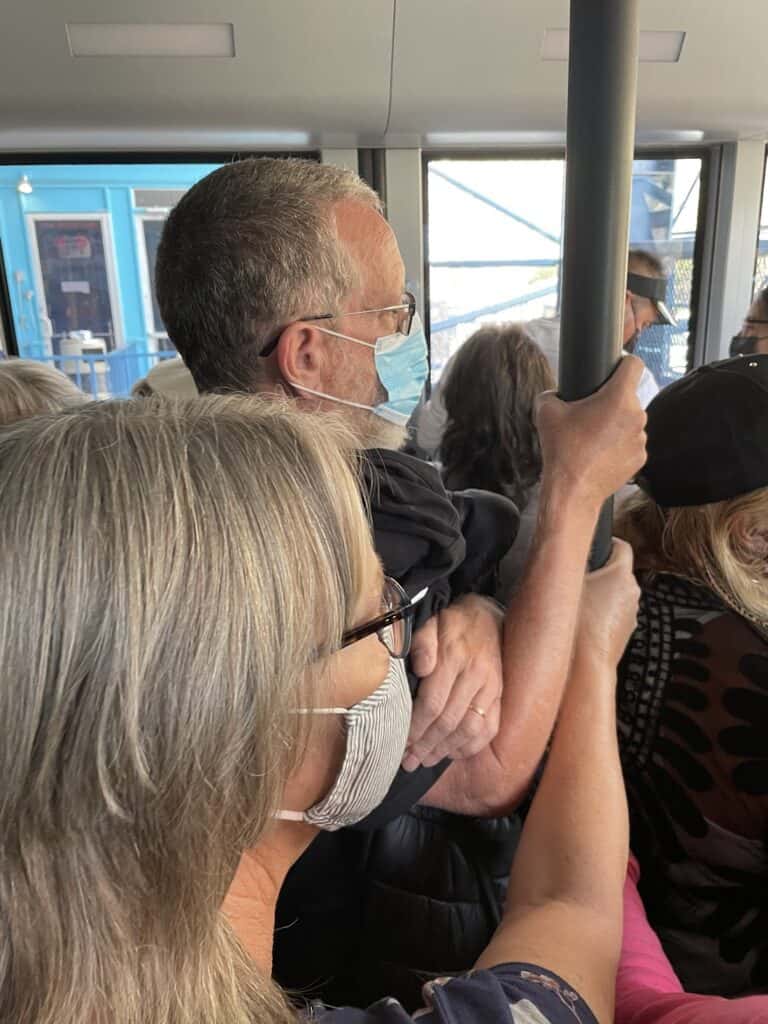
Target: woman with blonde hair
[(28, 388), (693, 692), (202, 667)]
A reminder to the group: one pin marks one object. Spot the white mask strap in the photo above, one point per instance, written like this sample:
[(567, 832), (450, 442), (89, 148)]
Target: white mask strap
[(346, 337), (300, 815), (332, 398), (320, 711), (290, 815)]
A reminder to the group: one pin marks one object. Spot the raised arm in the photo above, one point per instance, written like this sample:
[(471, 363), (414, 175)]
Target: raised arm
[(563, 908), (590, 448)]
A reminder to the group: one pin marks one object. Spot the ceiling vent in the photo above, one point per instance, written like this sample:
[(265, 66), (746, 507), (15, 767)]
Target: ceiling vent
[(90, 39)]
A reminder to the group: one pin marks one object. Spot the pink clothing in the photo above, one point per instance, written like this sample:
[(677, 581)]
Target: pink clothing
[(648, 990)]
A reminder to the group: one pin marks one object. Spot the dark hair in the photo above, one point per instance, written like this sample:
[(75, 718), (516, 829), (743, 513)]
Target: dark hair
[(490, 440), (641, 261), (246, 250), (761, 300)]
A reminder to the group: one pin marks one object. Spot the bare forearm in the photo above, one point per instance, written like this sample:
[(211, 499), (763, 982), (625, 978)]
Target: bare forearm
[(575, 844), (539, 628), (564, 898)]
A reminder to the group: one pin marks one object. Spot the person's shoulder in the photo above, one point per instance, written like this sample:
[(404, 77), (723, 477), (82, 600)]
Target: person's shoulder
[(386, 1011), (518, 993), (169, 377), (389, 473)]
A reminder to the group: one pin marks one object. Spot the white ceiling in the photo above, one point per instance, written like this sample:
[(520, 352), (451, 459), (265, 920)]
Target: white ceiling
[(476, 67), (320, 72)]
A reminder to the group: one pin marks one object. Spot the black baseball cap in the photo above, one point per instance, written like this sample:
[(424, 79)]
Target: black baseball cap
[(708, 434), (655, 289)]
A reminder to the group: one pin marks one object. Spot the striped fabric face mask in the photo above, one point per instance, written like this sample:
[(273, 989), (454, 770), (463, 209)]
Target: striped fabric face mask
[(377, 733)]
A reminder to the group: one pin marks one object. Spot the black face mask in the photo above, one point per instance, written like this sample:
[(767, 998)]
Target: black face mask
[(746, 344), (743, 345)]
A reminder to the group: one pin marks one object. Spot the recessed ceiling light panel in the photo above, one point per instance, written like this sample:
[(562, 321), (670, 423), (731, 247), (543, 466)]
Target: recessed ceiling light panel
[(655, 47), (90, 39)]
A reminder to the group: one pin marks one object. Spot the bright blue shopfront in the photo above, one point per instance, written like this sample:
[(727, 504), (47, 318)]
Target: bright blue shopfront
[(79, 245)]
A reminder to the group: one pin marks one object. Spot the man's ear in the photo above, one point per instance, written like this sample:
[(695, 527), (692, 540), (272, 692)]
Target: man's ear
[(302, 355)]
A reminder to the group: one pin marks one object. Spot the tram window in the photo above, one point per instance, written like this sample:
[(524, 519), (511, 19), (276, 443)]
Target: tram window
[(494, 246), (761, 257), (79, 244), (151, 232)]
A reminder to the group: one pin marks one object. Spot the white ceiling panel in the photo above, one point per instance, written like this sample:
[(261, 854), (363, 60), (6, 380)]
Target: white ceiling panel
[(299, 65)]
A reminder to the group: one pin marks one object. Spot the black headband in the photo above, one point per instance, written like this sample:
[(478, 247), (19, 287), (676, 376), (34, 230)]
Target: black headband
[(654, 288)]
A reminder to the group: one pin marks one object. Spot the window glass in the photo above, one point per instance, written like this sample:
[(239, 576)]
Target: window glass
[(152, 229), (79, 246), (761, 260), (494, 246), (70, 258)]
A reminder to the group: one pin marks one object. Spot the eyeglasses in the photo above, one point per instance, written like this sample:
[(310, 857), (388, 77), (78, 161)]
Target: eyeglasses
[(406, 311), (394, 627)]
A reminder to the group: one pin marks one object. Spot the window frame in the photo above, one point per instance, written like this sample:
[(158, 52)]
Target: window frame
[(763, 201), (145, 278), (704, 228)]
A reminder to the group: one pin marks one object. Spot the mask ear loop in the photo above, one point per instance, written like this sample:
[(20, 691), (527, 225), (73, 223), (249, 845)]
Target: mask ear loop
[(320, 711), (290, 815)]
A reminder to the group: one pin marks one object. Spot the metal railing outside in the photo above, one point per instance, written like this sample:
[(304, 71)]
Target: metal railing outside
[(105, 374)]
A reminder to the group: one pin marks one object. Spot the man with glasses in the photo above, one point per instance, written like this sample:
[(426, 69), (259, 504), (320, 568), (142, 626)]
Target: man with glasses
[(282, 277)]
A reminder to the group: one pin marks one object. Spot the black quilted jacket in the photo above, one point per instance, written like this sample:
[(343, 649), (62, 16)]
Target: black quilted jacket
[(411, 892)]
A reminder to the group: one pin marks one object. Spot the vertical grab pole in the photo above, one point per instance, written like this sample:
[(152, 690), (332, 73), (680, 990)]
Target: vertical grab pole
[(602, 95)]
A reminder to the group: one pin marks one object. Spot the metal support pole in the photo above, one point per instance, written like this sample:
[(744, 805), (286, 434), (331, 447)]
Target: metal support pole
[(372, 164), (602, 94)]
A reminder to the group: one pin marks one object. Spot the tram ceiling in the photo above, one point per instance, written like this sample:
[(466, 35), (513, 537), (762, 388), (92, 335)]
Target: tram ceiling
[(482, 72), (362, 72)]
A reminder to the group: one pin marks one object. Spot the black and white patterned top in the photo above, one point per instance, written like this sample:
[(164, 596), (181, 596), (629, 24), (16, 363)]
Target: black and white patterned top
[(693, 730)]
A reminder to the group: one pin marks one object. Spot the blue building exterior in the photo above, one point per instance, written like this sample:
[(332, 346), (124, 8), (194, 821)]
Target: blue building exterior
[(79, 243)]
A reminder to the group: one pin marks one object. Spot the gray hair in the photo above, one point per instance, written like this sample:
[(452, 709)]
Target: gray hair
[(246, 250), (173, 574), (28, 388)]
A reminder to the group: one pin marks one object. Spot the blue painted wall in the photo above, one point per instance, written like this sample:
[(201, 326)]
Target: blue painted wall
[(102, 188)]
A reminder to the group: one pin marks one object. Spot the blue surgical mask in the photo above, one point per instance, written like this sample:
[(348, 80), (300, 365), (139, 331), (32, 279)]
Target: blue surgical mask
[(401, 365)]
